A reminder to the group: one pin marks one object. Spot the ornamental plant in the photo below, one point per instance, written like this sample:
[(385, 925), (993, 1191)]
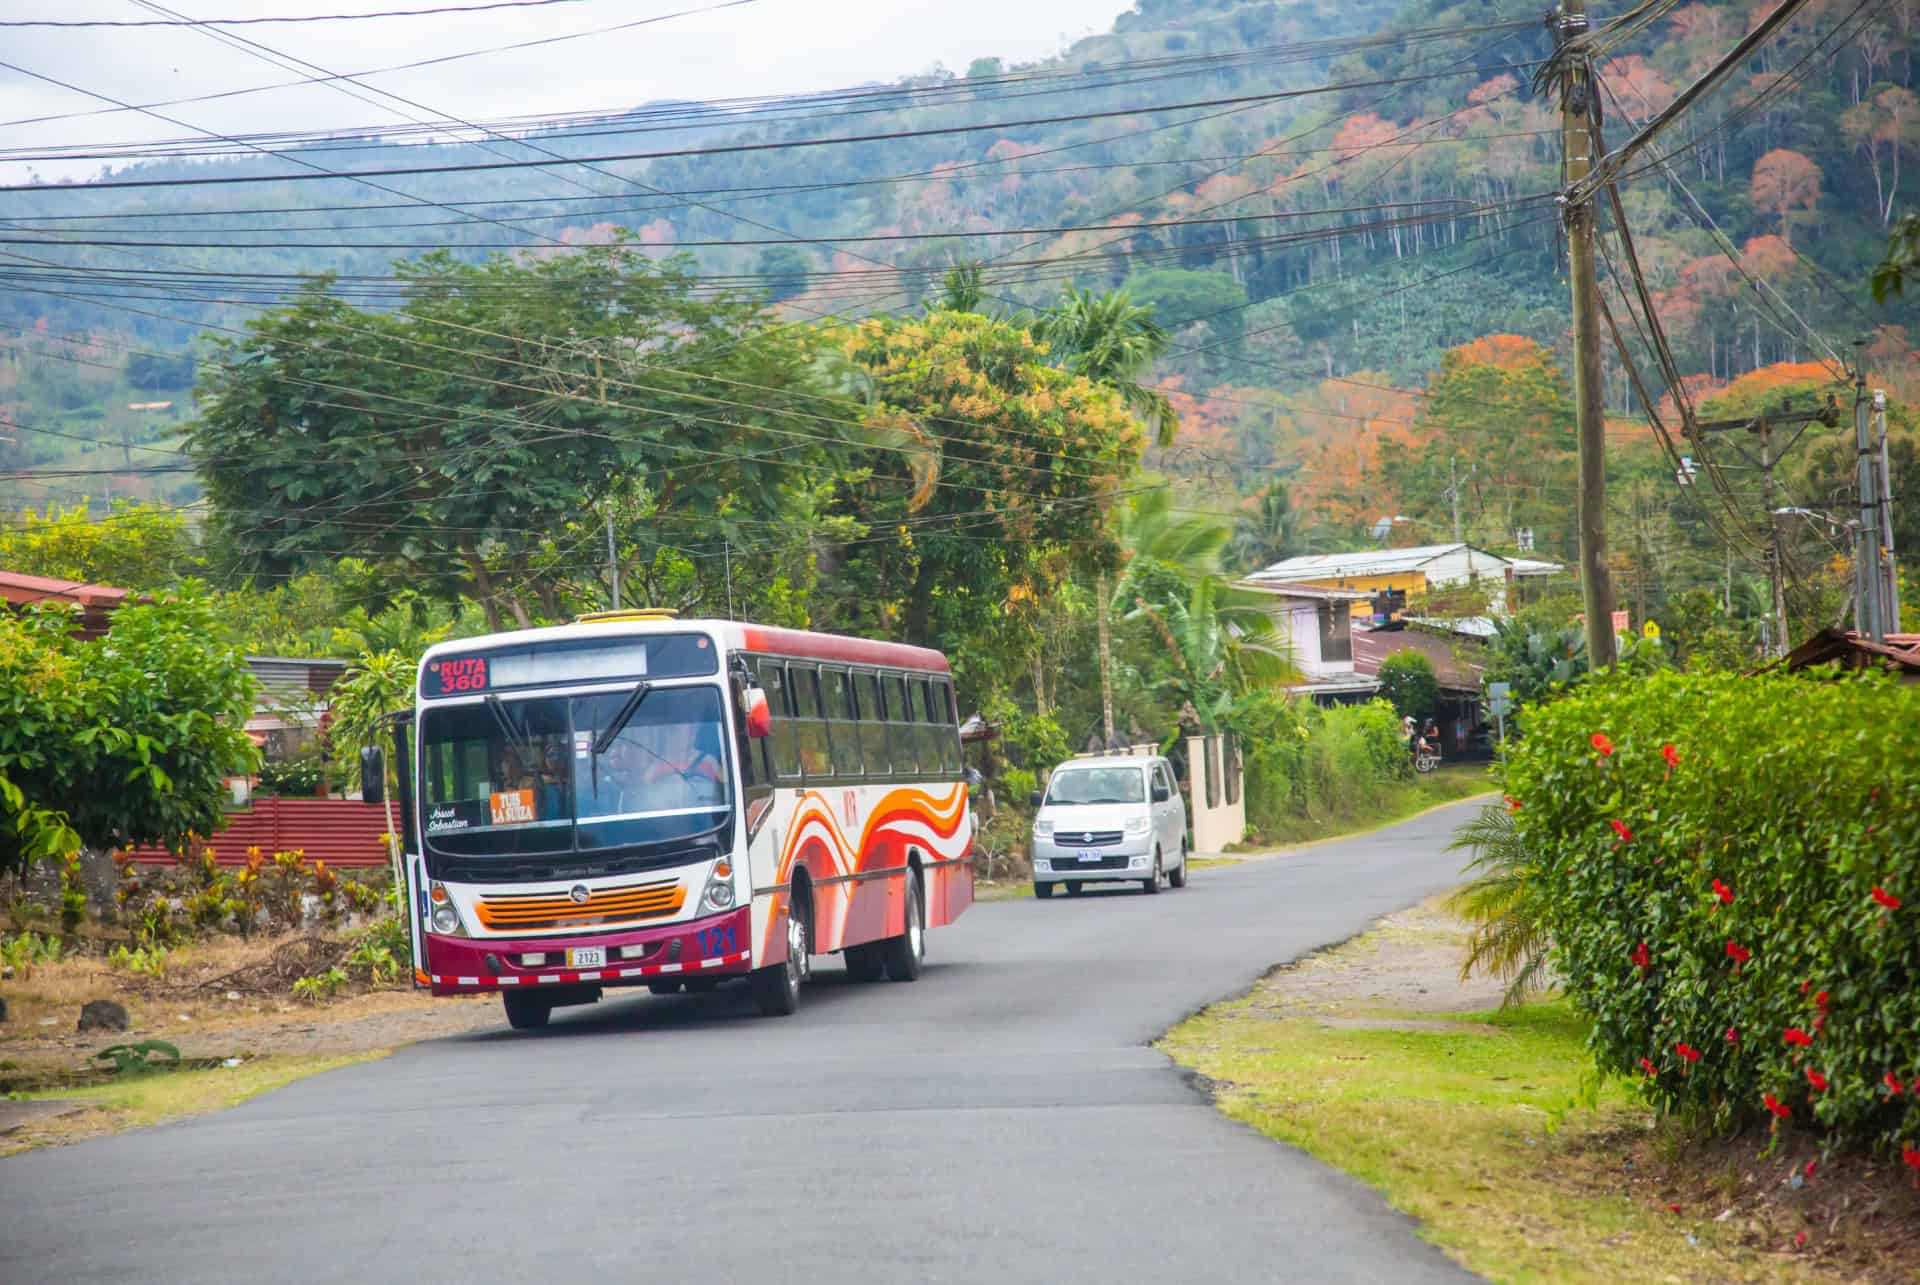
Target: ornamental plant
[(1755, 942)]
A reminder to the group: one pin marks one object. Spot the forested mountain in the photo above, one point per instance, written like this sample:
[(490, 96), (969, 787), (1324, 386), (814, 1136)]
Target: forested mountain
[(1320, 199)]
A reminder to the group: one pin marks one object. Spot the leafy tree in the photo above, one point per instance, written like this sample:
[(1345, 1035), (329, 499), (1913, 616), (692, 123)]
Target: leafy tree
[(134, 546), (1270, 534), (784, 269), (1182, 296), (1902, 261), (1408, 682), (1783, 181), (462, 438), (985, 473), (379, 684), (157, 372), (1111, 340), (132, 737)]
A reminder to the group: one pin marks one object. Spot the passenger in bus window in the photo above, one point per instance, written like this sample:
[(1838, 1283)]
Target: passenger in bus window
[(681, 767)]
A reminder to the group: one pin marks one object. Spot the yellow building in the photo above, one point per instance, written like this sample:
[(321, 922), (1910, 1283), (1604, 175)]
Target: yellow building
[(1413, 572)]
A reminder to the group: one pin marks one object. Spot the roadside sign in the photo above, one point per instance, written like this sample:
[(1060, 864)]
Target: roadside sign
[(1500, 699), (1650, 630)]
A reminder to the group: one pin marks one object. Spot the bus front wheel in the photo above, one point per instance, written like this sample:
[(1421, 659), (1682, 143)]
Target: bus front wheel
[(526, 1012), (776, 988)]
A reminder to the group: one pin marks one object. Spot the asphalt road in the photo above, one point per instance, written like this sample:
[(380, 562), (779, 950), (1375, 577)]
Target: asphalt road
[(1002, 1119)]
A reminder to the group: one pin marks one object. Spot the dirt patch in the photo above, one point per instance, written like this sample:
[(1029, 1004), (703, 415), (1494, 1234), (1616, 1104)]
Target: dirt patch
[(1408, 961)]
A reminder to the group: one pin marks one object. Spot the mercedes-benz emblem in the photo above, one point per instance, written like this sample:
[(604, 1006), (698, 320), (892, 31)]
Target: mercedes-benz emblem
[(579, 894)]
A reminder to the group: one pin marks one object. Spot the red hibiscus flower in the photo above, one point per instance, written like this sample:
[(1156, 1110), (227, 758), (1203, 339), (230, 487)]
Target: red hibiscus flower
[(1671, 755), (1817, 1080), (1811, 1166), (1806, 986), (1737, 953), (1820, 1001), (1775, 1105), (1648, 1068), (1800, 1240), (1673, 1209), (1893, 1084), (1641, 958), (1687, 1051), (1620, 828), (1513, 804), (1733, 1035), (1601, 743), (1885, 898), (1911, 1156), (1797, 1037), (1723, 892)]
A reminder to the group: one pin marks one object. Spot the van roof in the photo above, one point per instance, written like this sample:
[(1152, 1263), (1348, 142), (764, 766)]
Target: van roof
[(1109, 760)]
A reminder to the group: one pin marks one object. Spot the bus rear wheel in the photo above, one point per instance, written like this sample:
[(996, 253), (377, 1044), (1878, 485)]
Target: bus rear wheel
[(864, 963), (906, 953), (526, 1012)]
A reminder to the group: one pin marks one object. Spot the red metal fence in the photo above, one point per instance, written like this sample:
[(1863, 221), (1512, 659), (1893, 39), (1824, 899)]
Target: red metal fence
[(340, 832)]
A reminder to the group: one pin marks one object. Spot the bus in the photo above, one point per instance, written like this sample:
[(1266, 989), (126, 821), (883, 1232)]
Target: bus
[(637, 800)]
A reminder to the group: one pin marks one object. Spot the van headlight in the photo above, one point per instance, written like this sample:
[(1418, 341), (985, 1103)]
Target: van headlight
[(1137, 826), (1042, 826), (719, 893)]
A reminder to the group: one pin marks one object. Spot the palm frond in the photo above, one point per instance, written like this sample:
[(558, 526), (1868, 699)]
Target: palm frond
[(1508, 938)]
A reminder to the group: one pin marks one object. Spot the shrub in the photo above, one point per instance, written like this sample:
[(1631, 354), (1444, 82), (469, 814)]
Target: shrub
[(321, 985), (291, 778), (1726, 869), (1409, 684)]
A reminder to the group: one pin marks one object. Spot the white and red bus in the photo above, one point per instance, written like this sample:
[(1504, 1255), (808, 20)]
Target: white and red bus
[(635, 800)]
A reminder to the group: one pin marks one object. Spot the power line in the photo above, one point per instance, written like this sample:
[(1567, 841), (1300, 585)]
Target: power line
[(285, 21)]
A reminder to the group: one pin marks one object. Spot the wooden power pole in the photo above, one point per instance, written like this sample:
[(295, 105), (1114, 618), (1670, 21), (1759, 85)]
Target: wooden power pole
[(1580, 144)]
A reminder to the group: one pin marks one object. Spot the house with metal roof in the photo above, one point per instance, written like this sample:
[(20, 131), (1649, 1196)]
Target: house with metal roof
[(1317, 624), (1409, 573)]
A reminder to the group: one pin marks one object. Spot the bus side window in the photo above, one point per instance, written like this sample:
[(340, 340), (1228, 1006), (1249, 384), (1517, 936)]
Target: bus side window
[(812, 729), (949, 727), (900, 747), (783, 744), (926, 736), (873, 727), (843, 728)]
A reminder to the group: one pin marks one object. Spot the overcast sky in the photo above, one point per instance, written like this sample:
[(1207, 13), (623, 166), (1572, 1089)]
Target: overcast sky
[(766, 46)]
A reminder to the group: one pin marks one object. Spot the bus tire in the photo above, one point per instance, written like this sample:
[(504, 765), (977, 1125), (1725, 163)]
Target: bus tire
[(864, 963), (526, 1011), (776, 988), (905, 954)]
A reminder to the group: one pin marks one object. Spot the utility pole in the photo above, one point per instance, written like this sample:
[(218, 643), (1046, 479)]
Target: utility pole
[(613, 564), (1775, 572), (1580, 144), (1453, 490), (1866, 557), (1889, 567)]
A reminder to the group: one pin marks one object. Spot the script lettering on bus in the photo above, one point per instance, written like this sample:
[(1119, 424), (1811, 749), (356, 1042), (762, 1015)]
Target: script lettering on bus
[(444, 819)]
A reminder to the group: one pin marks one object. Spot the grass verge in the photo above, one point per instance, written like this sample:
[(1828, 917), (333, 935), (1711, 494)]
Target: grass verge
[(1485, 1127), (1448, 783), (158, 1097)]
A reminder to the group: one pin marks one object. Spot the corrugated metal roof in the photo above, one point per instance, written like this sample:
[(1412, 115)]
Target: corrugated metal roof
[(1366, 562), (1316, 593), (1453, 664)]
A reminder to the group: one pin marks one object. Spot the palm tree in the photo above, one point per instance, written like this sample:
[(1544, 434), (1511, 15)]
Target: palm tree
[(1219, 647), (1509, 935), (1113, 341), (1268, 535)]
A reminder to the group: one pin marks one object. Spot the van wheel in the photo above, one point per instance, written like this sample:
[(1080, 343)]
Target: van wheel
[(1073, 887), (1178, 877), (906, 953), (1042, 890), (526, 1012), (864, 963), (1151, 884)]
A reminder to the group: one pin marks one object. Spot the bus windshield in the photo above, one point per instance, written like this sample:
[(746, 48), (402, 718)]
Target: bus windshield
[(522, 778)]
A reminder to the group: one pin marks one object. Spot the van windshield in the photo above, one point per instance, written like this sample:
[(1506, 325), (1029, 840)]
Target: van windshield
[(1097, 785)]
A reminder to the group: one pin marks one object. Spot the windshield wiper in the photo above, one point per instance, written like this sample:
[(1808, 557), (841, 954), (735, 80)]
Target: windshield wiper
[(620, 720), (498, 709)]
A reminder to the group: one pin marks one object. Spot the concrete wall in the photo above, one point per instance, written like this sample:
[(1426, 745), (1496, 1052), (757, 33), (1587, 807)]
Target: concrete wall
[(1216, 826)]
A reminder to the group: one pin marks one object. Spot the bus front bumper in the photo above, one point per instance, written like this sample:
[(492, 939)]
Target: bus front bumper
[(718, 945)]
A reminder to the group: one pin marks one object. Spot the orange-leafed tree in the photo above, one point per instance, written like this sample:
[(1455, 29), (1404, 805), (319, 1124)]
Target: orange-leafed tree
[(1784, 181)]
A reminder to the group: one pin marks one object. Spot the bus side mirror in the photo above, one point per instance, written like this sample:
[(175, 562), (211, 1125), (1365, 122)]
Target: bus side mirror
[(373, 774), (759, 714)]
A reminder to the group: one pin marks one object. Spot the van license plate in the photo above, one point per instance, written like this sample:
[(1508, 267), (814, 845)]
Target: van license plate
[(587, 957), (1085, 855)]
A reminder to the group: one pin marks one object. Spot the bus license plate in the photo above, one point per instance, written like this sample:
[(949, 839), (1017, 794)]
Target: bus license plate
[(1085, 855), (587, 957)]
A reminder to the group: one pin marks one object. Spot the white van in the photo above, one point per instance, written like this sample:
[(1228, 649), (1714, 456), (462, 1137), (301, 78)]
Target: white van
[(1109, 819)]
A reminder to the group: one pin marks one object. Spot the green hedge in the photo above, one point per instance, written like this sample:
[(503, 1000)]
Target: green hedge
[(1729, 869), (1303, 761)]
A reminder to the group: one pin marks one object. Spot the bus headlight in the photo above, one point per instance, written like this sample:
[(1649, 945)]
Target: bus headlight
[(719, 893), (443, 917)]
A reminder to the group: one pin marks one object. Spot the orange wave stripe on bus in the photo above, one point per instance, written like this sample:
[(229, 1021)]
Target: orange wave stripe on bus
[(941, 816)]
